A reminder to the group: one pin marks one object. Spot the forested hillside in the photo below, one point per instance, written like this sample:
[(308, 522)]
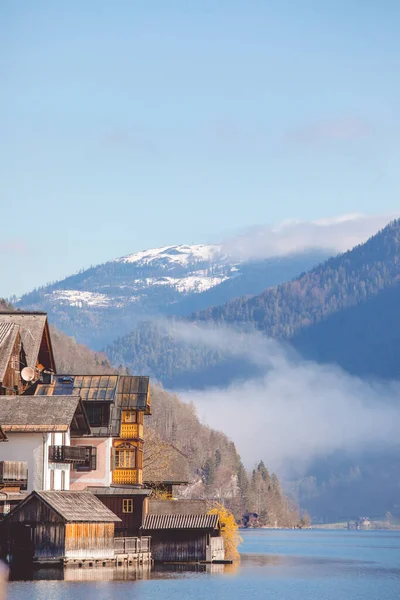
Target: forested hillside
[(152, 348)]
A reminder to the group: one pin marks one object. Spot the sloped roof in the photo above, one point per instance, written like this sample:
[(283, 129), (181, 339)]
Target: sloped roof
[(8, 334), (122, 392), (153, 522), (182, 506), (77, 506), (32, 326), (39, 413), (134, 392)]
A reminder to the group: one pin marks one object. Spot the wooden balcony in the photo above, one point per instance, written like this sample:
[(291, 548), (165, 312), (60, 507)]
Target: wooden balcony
[(14, 473), (131, 431), (127, 476), (67, 454)]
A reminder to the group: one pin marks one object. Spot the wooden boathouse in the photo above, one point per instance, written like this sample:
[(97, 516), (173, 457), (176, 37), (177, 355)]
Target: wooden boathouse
[(60, 527), (185, 538)]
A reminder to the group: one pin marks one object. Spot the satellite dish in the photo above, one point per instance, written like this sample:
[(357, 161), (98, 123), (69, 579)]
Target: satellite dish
[(28, 374)]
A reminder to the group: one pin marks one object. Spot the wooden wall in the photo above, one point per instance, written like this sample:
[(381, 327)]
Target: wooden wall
[(178, 546), (131, 522), (12, 377), (89, 540), (48, 541)]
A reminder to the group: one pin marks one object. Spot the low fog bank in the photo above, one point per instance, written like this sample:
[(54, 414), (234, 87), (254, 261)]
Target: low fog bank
[(297, 410)]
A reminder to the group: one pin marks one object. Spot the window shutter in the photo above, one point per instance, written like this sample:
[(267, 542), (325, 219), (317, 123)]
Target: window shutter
[(93, 458), (112, 459)]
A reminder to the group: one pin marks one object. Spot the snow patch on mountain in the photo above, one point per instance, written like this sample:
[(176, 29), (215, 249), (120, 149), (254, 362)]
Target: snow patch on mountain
[(194, 283), (79, 298), (174, 255)]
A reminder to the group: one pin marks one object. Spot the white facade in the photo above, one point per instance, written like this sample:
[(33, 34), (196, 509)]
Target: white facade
[(33, 448)]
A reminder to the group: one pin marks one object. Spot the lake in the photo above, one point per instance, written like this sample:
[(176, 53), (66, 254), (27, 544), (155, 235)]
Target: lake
[(275, 565)]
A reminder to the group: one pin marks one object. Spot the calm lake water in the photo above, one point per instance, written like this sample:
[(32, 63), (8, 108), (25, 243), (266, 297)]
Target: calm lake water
[(275, 565)]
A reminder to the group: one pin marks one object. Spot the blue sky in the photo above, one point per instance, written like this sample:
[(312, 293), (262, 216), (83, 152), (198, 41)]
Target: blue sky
[(128, 125)]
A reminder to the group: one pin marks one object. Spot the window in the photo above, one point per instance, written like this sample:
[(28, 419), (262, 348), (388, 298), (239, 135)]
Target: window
[(127, 505), (63, 480), (52, 479), (98, 413), (130, 417), (90, 463), (125, 459)]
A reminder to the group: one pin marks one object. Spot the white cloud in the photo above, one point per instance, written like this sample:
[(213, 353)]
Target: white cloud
[(334, 235)]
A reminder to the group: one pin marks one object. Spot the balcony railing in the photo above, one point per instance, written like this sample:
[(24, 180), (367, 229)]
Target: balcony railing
[(131, 545), (13, 472), (67, 454)]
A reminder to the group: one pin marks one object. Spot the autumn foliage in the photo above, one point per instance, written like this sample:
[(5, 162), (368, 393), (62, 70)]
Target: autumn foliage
[(229, 530)]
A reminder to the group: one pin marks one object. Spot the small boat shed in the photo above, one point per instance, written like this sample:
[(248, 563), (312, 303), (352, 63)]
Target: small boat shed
[(60, 527), (184, 538)]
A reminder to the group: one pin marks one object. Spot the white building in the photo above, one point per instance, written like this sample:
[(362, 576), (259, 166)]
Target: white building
[(39, 431)]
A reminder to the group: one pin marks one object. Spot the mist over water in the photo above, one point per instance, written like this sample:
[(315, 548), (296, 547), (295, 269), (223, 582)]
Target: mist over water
[(295, 410)]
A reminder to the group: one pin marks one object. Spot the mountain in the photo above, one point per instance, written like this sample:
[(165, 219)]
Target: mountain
[(106, 301), (343, 311)]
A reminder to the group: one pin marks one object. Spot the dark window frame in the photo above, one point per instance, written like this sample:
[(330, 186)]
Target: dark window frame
[(91, 461)]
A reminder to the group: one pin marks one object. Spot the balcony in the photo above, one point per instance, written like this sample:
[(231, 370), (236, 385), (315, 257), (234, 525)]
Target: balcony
[(67, 454), (131, 431), (127, 477), (14, 473)]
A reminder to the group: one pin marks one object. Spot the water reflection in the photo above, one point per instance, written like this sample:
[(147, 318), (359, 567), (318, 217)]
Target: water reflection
[(275, 565), (138, 573)]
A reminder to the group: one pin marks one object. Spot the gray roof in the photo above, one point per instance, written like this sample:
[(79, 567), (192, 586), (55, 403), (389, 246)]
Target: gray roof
[(78, 506), (32, 326), (8, 334), (38, 413), (182, 506), (133, 392), (119, 490), (153, 522), (120, 391)]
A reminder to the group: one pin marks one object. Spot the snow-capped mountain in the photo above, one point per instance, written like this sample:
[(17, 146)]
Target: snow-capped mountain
[(104, 302), (178, 255)]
